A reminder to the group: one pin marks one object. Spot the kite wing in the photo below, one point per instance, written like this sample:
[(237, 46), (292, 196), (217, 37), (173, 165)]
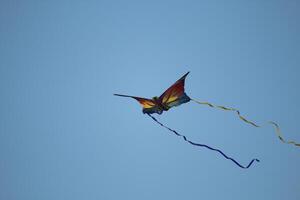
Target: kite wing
[(146, 103), (175, 95), (149, 106)]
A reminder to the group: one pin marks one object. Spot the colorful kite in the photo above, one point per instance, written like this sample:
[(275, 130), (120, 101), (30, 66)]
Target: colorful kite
[(175, 96)]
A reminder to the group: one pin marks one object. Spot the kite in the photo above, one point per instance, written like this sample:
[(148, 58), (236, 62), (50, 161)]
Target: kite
[(175, 96)]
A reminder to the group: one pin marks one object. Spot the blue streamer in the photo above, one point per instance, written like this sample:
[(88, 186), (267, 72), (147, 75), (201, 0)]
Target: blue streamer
[(203, 145)]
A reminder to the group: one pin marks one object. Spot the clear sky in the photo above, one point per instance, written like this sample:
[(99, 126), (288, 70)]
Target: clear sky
[(63, 135)]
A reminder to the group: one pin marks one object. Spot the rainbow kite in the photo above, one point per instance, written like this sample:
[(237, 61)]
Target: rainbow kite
[(175, 96)]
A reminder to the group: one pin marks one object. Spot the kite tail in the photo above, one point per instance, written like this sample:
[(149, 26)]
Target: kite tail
[(276, 126), (203, 145), (278, 133)]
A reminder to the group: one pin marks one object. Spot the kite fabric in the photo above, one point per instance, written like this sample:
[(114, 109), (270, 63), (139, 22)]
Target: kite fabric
[(204, 145), (175, 96)]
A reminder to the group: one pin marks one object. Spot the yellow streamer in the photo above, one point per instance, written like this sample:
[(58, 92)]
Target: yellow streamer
[(276, 126)]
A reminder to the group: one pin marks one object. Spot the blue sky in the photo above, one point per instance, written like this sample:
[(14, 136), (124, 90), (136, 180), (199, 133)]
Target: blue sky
[(63, 135)]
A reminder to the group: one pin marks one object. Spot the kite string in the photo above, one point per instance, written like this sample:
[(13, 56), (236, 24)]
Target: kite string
[(276, 126), (203, 145)]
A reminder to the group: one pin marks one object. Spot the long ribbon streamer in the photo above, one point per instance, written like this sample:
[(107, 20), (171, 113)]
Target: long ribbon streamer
[(276, 126), (203, 145)]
